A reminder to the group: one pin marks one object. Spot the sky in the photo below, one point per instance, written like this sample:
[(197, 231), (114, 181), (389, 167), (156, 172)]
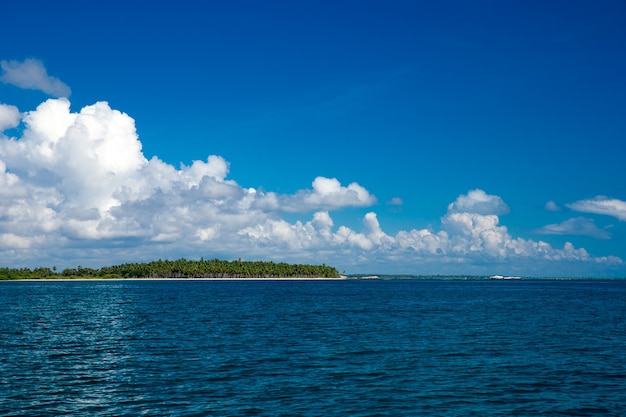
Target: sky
[(383, 137)]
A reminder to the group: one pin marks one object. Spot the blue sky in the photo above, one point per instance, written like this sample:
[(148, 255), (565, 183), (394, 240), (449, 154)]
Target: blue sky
[(445, 137)]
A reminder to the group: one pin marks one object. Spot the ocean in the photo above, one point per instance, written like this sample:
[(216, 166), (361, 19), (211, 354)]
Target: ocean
[(313, 348)]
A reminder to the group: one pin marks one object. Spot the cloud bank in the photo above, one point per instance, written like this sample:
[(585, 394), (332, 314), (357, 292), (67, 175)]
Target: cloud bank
[(31, 74), (75, 187)]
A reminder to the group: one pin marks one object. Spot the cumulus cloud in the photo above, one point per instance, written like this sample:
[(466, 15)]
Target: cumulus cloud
[(465, 237), (395, 201), (479, 202), (86, 175), (601, 205), (31, 74), (329, 192), (578, 226), (9, 117), (326, 193), (77, 186)]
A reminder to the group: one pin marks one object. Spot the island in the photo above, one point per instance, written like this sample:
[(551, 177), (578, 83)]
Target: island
[(181, 268)]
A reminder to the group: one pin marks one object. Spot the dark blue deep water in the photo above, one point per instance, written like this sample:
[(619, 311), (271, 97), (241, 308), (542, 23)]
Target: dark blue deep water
[(313, 348)]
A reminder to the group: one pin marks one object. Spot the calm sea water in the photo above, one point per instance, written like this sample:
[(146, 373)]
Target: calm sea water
[(313, 348)]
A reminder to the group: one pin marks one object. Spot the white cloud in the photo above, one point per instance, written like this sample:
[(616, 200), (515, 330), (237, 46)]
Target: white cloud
[(87, 171), (32, 74), (479, 202), (76, 187), (9, 117), (395, 201), (552, 206), (327, 193), (91, 154), (466, 238), (601, 205), (578, 226)]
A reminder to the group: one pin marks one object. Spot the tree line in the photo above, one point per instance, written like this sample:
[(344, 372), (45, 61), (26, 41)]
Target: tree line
[(181, 268)]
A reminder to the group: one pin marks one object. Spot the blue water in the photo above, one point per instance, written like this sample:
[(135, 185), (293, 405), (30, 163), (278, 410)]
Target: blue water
[(313, 348)]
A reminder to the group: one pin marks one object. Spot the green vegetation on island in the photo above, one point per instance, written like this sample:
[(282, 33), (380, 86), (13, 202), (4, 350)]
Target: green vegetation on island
[(181, 268)]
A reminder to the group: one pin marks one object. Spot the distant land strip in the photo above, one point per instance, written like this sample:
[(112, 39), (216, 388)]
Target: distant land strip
[(181, 268)]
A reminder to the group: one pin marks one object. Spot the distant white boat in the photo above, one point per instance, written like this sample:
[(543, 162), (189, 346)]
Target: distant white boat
[(503, 277)]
